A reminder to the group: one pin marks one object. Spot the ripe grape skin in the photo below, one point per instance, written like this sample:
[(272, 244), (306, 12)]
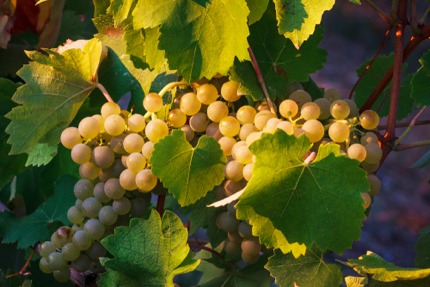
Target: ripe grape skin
[(332, 95), (107, 215), (89, 170), (190, 104), (133, 143), (288, 108), (261, 119), (74, 215), (212, 130), (338, 132), (310, 111), (339, 110), (81, 240), (81, 153), (216, 111), (114, 125), (136, 162), (110, 108), (94, 229), (127, 179), (176, 118), (70, 137), (121, 206), (286, 126), (229, 126), (234, 170), (369, 120), (207, 93), (229, 91), (83, 189), (146, 180), (90, 207), (89, 128), (156, 129), (227, 144), (227, 222), (147, 149), (375, 184), (46, 248), (246, 114), (374, 153), (136, 123), (314, 130), (113, 189), (199, 122), (103, 156), (357, 151), (369, 137), (245, 130), (152, 102), (324, 105), (300, 97)]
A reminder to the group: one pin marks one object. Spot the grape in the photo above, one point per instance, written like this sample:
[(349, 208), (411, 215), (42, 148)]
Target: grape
[(216, 111), (338, 132), (245, 130), (324, 105), (367, 200), (374, 153), (247, 171), (251, 248), (232, 249), (107, 215), (314, 130), (103, 156), (62, 236), (369, 120), (231, 209), (263, 106), (229, 126), (261, 119), (114, 125), (252, 137), (81, 153), (70, 252), (190, 104), (147, 149), (375, 184), (94, 229), (44, 266), (246, 114), (227, 222), (110, 108), (234, 170), (207, 93), (83, 263), (89, 171), (117, 144), (234, 237), (96, 251), (310, 111), (243, 155), (133, 143), (271, 125), (235, 147), (227, 144), (332, 95), (46, 248), (156, 129), (298, 132), (74, 215), (56, 261), (199, 122), (245, 230), (189, 133), (357, 151), (146, 180), (78, 204), (70, 137), (231, 187), (300, 97), (99, 193), (90, 207), (121, 206), (83, 189), (339, 109), (288, 109), (62, 275), (369, 137), (101, 121), (176, 118), (81, 240), (136, 123), (113, 189), (127, 179), (229, 91), (136, 161), (370, 167), (352, 107), (212, 130), (152, 102), (286, 126)]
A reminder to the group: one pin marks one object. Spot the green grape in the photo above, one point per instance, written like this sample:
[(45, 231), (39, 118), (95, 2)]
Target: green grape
[(94, 229), (252, 137), (96, 251), (245, 230), (114, 125), (352, 107), (339, 109), (251, 248), (310, 111), (44, 266), (314, 130), (101, 121), (113, 171), (110, 108), (247, 171), (227, 222), (235, 147), (189, 133), (369, 120), (229, 126), (82, 264), (199, 122), (190, 104), (74, 215), (286, 126), (103, 156), (136, 162), (99, 192), (62, 275), (70, 251), (121, 206), (226, 144), (152, 102), (245, 130), (288, 108), (246, 114), (324, 105), (370, 167), (234, 237), (70, 137), (367, 200), (207, 93), (89, 128), (216, 111), (89, 171), (81, 153), (229, 91), (261, 119), (243, 155), (374, 153), (56, 261), (232, 249), (107, 215), (357, 151), (133, 143), (212, 130), (147, 149), (78, 204), (146, 180), (298, 132), (62, 236), (300, 97), (332, 95), (375, 184), (127, 179), (113, 189), (234, 170), (156, 129), (83, 189), (369, 137), (338, 132), (271, 125), (176, 118), (46, 248), (136, 123), (81, 240), (117, 144), (90, 207)]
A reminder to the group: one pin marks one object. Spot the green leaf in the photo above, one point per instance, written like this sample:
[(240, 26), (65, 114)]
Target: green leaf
[(148, 252), (306, 271), (41, 154), (401, 283), (314, 10), (357, 2), (189, 173), (422, 249), (381, 270), (120, 9), (206, 39), (371, 79), (279, 61), (423, 161), (35, 227), (318, 203), (56, 86), (291, 15), (420, 88), (352, 281), (256, 10)]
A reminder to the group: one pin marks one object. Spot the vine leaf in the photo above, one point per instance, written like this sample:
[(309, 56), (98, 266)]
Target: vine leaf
[(420, 87), (256, 10), (148, 252), (355, 281), (306, 271), (314, 10), (318, 203), (188, 173), (422, 249), (280, 62), (35, 227), (425, 282), (290, 15), (56, 86), (206, 39), (383, 271)]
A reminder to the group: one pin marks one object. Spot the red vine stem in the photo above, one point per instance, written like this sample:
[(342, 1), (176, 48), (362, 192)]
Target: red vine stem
[(104, 92), (24, 268), (200, 245), (160, 204), (379, 11), (411, 125)]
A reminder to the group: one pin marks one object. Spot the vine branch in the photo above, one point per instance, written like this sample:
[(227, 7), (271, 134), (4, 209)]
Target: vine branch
[(381, 13), (24, 268), (411, 125), (160, 204)]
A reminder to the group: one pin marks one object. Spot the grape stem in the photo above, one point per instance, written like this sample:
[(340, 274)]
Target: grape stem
[(160, 204), (194, 244), (24, 268), (170, 86), (403, 125), (105, 92), (411, 125), (310, 158), (379, 11), (412, 145), (261, 80)]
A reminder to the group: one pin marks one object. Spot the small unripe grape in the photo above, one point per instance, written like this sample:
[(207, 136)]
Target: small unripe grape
[(110, 108), (300, 97), (90, 207), (44, 266), (338, 132), (288, 108), (70, 251), (62, 275), (369, 120), (229, 91), (133, 143), (74, 215), (176, 118), (114, 125), (367, 200), (82, 264), (190, 104), (83, 189), (62, 236), (70, 137), (229, 126), (245, 230), (81, 240), (246, 114), (156, 129), (152, 102), (121, 206), (89, 128), (339, 109), (56, 261), (216, 111), (207, 93)]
